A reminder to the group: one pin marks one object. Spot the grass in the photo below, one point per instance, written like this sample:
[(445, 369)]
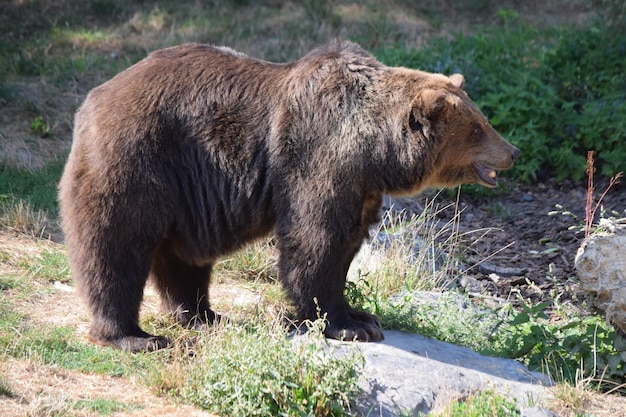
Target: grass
[(51, 56), (418, 253), (486, 403), (255, 370), (5, 389), (105, 406), (36, 188), (249, 366), (49, 264), (234, 369), (28, 198), (205, 366), (23, 338), (20, 216)]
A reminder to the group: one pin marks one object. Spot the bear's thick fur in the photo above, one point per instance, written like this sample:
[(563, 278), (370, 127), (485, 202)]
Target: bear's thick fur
[(197, 150)]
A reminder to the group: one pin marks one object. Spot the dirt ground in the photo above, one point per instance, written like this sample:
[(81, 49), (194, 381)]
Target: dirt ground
[(42, 389), (537, 248)]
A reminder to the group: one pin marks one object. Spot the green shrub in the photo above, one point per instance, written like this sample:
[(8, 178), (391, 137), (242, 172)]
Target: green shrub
[(555, 93), (257, 371), (566, 346)]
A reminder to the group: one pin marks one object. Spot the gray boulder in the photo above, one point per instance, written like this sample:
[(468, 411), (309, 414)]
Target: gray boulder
[(409, 374), (601, 269)]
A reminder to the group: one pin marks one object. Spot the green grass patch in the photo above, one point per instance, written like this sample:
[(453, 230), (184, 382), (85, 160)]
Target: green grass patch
[(22, 338), (58, 346), (50, 265), (5, 389), (37, 187), (105, 406), (9, 282), (486, 403)]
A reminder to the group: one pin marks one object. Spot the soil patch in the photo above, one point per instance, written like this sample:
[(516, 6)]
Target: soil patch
[(527, 248)]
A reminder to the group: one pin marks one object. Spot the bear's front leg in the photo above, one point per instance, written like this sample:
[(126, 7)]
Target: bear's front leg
[(313, 265)]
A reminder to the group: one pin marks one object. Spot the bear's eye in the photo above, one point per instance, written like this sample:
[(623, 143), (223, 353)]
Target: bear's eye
[(476, 133), (414, 124)]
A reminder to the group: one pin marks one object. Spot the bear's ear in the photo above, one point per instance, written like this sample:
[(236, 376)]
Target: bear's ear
[(433, 102), (418, 121), (457, 80), (426, 110), (414, 121)]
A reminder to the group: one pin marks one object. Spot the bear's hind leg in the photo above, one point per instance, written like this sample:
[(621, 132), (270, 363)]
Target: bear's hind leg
[(184, 289), (114, 299)]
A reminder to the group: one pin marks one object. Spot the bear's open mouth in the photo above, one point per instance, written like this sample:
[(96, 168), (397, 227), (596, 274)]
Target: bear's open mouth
[(486, 174)]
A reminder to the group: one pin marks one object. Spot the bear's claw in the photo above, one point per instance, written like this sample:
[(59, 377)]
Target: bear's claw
[(358, 326), (135, 343)]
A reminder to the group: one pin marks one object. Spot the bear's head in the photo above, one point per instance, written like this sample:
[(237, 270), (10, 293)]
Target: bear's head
[(467, 148)]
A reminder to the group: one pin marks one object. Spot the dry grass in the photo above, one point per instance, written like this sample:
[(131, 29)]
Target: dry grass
[(41, 390), (418, 251), (20, 217), (583, 399)]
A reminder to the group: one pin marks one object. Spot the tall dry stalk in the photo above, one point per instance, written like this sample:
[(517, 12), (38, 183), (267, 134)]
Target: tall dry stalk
[(590, 208)]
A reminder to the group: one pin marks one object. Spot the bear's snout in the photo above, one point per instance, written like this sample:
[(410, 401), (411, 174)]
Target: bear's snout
[(516, 154)]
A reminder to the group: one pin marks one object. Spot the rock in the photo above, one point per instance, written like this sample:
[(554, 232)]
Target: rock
[(432, 303), (488, 268), (407, 374), (384, 247), (470, 284), (401, 207), (601, 269), (536, 412)]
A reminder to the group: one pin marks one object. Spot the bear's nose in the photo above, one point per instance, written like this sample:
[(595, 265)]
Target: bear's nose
[(516, 154)]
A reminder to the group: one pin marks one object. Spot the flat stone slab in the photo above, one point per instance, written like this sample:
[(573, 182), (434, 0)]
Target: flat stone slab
[(407, 374)]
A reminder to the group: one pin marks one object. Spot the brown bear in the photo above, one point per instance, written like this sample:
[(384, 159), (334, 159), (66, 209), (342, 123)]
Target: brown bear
[(197, 150)]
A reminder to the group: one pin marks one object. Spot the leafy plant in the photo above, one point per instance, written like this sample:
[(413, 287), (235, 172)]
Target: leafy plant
[(450, 317), (257, 371), (563, 347), (486, 403), (40, 127)]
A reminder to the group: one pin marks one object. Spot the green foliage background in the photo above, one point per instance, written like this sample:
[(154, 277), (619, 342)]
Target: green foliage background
[(555, 93)]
